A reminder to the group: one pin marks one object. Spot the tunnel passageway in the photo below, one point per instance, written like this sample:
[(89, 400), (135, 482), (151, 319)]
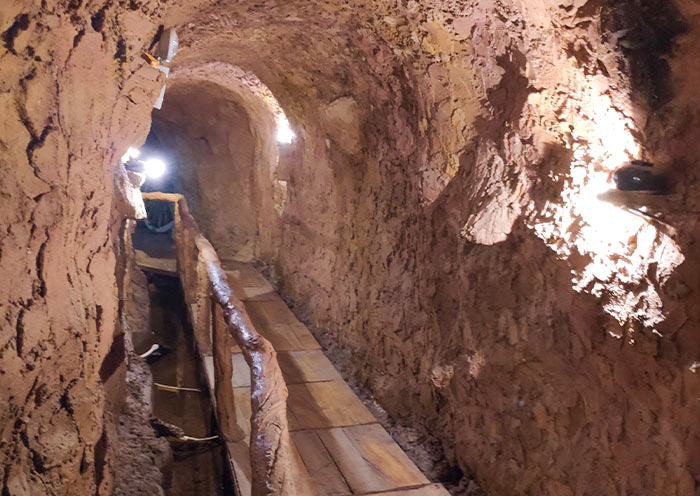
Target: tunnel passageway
[(429, 185), (208, 137), (341, 445)]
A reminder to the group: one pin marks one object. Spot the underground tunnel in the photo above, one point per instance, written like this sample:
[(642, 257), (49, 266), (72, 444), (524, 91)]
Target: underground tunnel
[(380, 248)]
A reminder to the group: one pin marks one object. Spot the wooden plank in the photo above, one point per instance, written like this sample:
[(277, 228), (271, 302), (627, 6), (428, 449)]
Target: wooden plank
[(252, 285), (317, 405), (273, 319), (283, 336), (239, 289), (239, 456), (227, 415), (306, 366), (166, 266), (236, 288), (297, 367), (430, 490), (241, 400), (248, 275), (306, 340), (257, 293), (241, 371), (303, 482), (370, 460), (319, 464), (247, 283), (201, 305), (270, 312)]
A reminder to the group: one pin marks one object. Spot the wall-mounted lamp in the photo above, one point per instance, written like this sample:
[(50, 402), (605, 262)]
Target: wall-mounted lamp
[(638, 175), (285, 135), (163, 54), (153, 167), (641, 189)]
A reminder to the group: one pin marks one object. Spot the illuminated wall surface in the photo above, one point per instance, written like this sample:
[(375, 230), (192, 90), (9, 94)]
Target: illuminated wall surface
[(614, 247)]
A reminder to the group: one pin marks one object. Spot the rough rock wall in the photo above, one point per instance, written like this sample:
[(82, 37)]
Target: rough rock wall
[(473, 317), (73, 96), (441, 218)]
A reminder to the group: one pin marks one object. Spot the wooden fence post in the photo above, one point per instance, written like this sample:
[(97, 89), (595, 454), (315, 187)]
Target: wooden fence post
[(223, 374), (201, 308), (276, 468)]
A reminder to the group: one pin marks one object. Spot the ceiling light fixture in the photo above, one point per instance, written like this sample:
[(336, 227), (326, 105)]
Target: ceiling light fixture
[(285, 135)]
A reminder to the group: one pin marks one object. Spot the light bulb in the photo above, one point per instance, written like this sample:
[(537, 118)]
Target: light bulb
[(285, 135), (131, 154), (154, 167)]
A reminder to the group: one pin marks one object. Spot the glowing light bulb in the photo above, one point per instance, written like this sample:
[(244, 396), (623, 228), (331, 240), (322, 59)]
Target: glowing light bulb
[(285, 135), (154, 167), (131, 154)]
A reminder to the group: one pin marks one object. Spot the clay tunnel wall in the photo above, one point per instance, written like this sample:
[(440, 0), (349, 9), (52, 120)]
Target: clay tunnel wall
[(74, 95), (435, 217)]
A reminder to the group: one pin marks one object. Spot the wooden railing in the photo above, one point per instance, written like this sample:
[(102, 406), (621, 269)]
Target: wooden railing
[(275, 468)]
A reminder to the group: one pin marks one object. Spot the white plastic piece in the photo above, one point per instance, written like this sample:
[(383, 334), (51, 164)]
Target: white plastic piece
[(149, 352), (199, 439), (159, 102), (167, 46), (130, 154)]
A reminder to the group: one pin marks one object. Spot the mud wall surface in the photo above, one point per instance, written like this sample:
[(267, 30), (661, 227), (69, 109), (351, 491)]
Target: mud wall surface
[(438, 213), (74, 95)]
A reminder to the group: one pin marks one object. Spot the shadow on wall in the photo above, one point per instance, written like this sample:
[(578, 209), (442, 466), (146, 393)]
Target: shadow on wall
[(646, 33)]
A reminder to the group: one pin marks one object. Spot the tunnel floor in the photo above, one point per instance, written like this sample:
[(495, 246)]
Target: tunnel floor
[(197, 468), (340, 441)]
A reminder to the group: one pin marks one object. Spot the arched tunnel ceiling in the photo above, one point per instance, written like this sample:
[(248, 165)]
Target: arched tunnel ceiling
[(246, 88)]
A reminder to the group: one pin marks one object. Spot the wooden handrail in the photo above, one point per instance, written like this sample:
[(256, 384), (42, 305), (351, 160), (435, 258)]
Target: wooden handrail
[(275, 470), (158, 196)]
